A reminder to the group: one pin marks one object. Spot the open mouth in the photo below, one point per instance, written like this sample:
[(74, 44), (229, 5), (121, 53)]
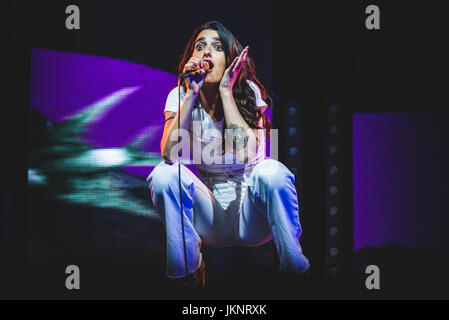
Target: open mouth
[(211, 66)]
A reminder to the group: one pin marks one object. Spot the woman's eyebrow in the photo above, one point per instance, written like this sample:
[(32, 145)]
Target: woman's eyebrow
[(203, 38)]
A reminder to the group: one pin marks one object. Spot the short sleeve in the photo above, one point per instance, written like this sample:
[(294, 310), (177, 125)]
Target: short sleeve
[(259, 102), (172, 100)]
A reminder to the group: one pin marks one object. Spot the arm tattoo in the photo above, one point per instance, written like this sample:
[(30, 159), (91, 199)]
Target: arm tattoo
[(239, 136), (168, 119)]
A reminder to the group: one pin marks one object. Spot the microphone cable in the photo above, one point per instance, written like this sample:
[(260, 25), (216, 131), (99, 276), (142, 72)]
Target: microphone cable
[(185, 74), (179, 178)]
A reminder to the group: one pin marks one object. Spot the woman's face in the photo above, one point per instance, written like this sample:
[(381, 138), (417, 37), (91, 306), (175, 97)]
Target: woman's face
[(208, 47)]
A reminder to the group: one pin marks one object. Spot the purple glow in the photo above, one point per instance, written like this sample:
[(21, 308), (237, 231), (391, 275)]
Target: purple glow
[(64, 83), (399, 162)]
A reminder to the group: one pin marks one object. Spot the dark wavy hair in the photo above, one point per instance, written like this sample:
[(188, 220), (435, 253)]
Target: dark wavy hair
[(243, 94)]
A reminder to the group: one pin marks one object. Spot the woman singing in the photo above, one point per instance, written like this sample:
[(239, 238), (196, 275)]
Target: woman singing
[(240, 197)]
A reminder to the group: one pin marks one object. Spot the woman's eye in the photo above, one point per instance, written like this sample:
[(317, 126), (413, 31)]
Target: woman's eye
[(217, 47)]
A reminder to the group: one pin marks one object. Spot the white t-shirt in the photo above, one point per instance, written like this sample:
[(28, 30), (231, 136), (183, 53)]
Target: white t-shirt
[(211, 136)]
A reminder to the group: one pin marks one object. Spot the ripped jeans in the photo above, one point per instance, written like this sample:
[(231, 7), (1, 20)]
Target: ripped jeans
[(246, 209)]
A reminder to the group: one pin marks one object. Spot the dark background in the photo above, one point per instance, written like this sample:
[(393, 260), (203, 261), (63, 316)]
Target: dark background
[(313, 52)]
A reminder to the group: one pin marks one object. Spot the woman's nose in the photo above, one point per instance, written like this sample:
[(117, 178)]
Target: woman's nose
[(206, 53)]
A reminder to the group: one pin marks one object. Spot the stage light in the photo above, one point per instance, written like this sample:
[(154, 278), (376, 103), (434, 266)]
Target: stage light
[(333, 190), (333, 185), (290, 134), (293, 151), (333, 210), (333, 150), (333, 170), (333, 251), (333, 231), (292, 131), (292, 111)]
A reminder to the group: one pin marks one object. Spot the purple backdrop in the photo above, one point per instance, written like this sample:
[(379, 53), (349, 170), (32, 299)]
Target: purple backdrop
[(400, 161)]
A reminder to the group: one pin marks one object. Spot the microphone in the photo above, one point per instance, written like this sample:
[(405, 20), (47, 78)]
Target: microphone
[(196, 71)]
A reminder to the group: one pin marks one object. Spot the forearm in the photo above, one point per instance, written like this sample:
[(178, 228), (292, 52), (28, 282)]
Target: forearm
[(170, 137), (243, 138)]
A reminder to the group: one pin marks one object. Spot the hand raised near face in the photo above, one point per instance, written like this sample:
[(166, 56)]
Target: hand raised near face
[(232, 72)]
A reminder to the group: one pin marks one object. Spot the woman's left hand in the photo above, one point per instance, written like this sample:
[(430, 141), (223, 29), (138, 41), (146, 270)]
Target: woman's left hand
[(232, 72)]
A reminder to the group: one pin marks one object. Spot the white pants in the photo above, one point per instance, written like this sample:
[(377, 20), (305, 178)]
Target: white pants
[(247, 209)]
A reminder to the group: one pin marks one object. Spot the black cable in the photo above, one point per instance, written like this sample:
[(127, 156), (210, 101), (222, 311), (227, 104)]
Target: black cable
[(179, 178)]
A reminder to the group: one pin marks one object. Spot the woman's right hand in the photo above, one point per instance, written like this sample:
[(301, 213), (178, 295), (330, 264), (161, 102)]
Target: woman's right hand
[(194, 83)]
